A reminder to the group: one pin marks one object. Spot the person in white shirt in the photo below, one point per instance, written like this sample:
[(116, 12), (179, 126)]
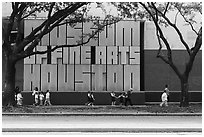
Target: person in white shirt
[(164, 99), (35, 94), (167, 91), (47, 98), (41, 97), (90, 99), (16, 90), (113, 98), (19, 99)]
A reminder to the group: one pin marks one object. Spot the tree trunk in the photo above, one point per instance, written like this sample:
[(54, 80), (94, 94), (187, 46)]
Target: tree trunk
[(8, 96), (184, 102)]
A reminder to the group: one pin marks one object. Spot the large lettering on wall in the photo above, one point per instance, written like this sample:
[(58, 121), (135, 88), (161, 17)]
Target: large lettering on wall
[(111, 61)]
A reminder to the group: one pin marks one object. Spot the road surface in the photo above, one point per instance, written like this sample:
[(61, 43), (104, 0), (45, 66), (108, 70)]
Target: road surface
[(124, 124)]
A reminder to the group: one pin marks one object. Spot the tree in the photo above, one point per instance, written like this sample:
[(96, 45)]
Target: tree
[(58, 13), (158, 13)]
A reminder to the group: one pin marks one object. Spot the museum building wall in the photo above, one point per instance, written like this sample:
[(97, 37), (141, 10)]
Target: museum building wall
[(123, 56)]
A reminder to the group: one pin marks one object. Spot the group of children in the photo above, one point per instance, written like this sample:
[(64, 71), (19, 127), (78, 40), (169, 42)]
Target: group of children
[(121, 97), (126, 96), (39, 97)]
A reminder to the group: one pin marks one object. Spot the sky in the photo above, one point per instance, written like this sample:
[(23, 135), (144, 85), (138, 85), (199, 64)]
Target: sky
[(6, 9)]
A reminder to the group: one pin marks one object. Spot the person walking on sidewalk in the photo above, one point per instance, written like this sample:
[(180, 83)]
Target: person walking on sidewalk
[(121, 99), (16, 90), (113, 98), (47, 98), (41, 97), (167, 91), (36, 96), (88, 98), (128, 97), (164, 99), (19, 98), (91, 98)]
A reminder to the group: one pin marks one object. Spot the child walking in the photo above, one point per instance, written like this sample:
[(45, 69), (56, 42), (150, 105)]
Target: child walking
[(164, 99), (113, 98), (167, 91), (41, 96), (19, 98), (121, 99), (91, 99), (35, 94), (47, 98), (16, 90), (128, 97), (88, 98)]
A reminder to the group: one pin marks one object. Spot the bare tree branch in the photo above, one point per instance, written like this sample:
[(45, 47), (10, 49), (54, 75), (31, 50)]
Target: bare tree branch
[(50, 11), (187, 20), (161, 35), (160, 31), (160, 46), (198, 43), (176, 28), (175, 20), (166, 9)]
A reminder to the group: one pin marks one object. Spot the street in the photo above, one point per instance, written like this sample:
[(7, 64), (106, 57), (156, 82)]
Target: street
[(130, 124)]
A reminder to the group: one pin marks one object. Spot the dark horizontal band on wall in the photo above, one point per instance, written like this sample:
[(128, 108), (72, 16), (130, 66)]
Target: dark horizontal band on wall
[(104, 98), (80, 98)]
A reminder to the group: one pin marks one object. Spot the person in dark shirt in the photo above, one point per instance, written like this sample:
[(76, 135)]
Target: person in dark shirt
[(113, 98), (121, 98), (91, 99), (128, 97), (88, 98), (16, 90)]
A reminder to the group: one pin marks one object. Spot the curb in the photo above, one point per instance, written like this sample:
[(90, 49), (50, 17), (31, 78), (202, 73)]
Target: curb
[(128, 130), (101, 114)]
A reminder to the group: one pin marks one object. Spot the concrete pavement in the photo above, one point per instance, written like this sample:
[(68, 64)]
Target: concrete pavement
[(137, 124)]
